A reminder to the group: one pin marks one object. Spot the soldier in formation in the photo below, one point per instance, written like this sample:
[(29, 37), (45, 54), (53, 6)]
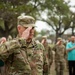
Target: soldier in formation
[(22, 55), (48, 53), (60, 54)]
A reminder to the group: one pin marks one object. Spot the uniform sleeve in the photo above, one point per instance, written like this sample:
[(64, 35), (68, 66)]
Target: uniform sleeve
[(38, 58), (65, 53), (50, 55), (45, 59), (10, 47), (54, 48)]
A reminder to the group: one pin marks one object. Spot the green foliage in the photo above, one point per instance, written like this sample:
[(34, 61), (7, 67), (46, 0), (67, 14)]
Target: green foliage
[(57, 11), (9, 10)]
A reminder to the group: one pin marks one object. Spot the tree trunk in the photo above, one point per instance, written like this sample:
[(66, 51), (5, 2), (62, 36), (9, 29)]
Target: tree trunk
[(57, 35), (6, 24), (72, 30)]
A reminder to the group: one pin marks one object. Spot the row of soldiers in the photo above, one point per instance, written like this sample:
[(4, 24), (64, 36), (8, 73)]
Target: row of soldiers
[(60, 55), (24, 56)]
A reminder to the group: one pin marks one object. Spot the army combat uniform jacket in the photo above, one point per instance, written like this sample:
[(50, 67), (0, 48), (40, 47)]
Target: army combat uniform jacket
[(60, 54), (18, 55), (49, 56)]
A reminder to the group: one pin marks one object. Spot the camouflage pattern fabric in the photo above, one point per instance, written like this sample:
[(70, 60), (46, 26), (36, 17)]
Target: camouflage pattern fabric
[(35, 55), (49, 55), (13, 54), (60, 53), (18, 55), (26, 21)]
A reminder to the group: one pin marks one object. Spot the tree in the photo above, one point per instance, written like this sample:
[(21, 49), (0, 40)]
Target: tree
[(73, 23), (59, 17), (57, 11), (9, 10)]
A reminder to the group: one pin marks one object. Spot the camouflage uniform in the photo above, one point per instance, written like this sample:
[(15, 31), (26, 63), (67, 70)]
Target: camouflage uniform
[(18, 54), (2, 64), (48, 55), (36, 56), (34, 50), (59, 59), (14, 56), (9, 38)]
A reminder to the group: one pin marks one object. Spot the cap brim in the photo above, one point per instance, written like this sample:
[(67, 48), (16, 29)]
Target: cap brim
[(29, 25)]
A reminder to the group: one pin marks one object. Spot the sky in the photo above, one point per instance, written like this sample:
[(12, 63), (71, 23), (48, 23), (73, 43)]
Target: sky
[(72, 3), (42, 25)]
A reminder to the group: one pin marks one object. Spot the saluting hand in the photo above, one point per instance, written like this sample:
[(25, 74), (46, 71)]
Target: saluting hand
[(26, 33), (58, 43), (3, 39)]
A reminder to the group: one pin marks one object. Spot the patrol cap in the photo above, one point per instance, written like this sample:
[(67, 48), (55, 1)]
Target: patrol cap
[(26, 21), (44, 37), (59, 38)]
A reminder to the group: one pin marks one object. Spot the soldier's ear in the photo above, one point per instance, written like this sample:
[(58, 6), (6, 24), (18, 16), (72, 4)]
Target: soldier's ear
[(18, 27)]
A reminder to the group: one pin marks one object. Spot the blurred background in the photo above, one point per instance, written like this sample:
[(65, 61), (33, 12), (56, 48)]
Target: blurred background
[(54, 18)]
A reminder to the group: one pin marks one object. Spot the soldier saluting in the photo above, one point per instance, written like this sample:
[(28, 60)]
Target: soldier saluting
[(27, 54), (60, 53)]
